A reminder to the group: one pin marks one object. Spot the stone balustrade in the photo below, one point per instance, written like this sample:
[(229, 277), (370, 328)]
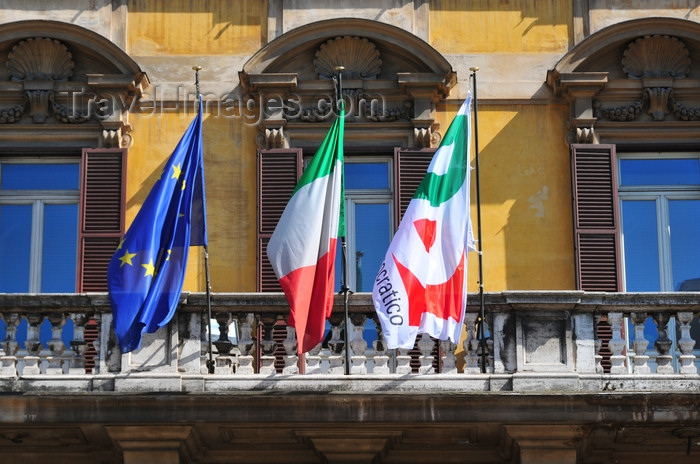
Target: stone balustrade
[(534, 341)]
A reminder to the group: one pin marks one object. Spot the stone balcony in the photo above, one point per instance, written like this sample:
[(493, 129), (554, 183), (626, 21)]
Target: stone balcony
[(553, 391), (535, 342)]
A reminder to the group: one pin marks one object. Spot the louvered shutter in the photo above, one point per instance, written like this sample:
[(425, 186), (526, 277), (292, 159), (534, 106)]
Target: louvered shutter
[(596, 223), (102, 196), (278, 173), (410, 167)]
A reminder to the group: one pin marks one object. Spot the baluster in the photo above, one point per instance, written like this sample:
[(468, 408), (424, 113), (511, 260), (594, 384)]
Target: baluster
[(8, 361), (381, 359), (663, 344), (449, 364), (598, 343), (426, 345), (686, 344), (96, 344), (640, 344), (74, 363), (224, 362), (489, 345), (336, 345), (471, 345), (313, 360), (616, 344), (291, 360), (52, 355), (403, 361), (358, 345), (267, 346), (28, 359), (245, 345)]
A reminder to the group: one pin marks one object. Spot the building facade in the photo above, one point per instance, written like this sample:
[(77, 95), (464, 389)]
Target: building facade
[(586, 129)]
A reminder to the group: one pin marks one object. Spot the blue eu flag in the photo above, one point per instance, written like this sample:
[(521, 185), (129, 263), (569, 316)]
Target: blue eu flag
[(146, 273)]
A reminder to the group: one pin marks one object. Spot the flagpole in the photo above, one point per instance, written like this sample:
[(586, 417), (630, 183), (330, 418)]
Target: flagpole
[(338, 85), (210, 361), (482, 316)]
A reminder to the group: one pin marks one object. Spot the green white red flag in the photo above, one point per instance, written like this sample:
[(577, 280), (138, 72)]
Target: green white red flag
[(302, 248), (421, 285)]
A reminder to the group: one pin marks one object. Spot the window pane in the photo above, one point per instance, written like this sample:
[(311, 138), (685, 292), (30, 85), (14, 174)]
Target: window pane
[(59, 249), (684, 171), (371, 243), (641, 246), (367, 175), (684, 222), (42, 176), (15, 247)]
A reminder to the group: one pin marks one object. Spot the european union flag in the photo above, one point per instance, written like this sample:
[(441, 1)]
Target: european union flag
[(146, 273)]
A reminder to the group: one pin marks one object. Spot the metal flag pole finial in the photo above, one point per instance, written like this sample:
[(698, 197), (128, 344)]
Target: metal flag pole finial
[(482, 316), (210, 361), (196, 70)]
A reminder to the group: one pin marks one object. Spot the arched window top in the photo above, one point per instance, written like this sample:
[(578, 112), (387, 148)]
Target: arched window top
[(635, 84), (391, 78), (67, 76)]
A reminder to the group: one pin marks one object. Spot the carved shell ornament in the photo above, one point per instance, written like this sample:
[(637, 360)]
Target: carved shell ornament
[(357, 55), (656, 56), (39, 59)]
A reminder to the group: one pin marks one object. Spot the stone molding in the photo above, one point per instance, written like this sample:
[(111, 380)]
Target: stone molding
[(390, 78), (61, 75), (623, 81)]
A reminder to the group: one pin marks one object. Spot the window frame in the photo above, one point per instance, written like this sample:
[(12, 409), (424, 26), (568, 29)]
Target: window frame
[(38, 199)]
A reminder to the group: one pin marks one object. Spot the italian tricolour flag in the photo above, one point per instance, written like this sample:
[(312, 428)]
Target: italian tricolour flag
[(302, 248), (421, 285)]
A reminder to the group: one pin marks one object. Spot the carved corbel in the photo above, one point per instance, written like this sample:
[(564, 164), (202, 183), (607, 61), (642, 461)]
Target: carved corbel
[(580, 88)]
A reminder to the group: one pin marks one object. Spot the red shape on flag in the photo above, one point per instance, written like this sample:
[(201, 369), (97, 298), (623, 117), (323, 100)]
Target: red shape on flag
[(426, 231), (309, 291), (444, 300)]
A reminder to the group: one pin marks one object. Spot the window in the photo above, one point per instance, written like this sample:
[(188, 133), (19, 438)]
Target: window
[(378, 188), (38, 225), (61, 219), (368, 218), (660, 207)]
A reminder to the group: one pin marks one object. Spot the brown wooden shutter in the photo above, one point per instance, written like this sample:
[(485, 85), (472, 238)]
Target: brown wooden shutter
[(410, 167), (102, 198), (278, 173), (596, 218)]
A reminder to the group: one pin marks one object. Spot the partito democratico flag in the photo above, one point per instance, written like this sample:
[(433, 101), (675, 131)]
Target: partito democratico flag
[(303, 246), (421, 285)]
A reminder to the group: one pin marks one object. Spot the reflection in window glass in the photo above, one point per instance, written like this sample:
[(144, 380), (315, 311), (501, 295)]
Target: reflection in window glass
[(15, 247), (44, 176), (366, 176), (684, 221), (58, 267), (372, 240), (641, 246), (683, 171)]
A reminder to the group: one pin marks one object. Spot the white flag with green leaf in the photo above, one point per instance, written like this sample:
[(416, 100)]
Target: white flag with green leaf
[(421, 285)]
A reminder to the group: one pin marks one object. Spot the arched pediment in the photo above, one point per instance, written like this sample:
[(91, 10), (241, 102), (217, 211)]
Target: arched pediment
[(390, 78), (636, 83), (59, 74)]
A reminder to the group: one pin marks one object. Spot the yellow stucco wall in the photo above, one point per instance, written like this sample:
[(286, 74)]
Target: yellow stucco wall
[(229, 161), (527, 236), (196, 27), (525, 180), (500, 26)]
